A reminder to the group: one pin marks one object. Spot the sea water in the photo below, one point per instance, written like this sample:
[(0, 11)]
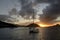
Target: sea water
[(19, 33)]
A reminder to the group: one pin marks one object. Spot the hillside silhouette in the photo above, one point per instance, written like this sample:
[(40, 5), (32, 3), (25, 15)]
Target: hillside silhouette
[(4, 24), (32, 25)]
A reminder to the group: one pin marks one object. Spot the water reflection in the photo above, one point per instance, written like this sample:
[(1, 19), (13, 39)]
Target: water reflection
[(34, 36), (21, 33)]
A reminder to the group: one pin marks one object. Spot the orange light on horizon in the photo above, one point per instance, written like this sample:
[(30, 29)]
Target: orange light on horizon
[(46, 25)]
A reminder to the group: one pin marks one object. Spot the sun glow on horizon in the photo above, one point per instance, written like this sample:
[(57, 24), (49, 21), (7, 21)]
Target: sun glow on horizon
[(44, 25), (47, 25)]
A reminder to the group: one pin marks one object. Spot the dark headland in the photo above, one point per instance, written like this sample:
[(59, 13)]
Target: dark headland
[(8, 25)]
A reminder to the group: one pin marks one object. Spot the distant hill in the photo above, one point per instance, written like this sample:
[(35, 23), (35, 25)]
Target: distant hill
[(57, 25), (3, 25), (32, 25)]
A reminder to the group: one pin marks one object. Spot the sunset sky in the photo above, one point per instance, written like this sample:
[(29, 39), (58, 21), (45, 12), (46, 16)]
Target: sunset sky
[(22, 11)]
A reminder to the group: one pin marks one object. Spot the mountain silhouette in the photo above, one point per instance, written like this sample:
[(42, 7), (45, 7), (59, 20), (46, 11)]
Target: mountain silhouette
[(32, 25), (4, 24), (57, 25)]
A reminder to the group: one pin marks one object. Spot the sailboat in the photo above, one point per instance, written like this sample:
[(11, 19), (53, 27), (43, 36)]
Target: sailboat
[(33, 30)]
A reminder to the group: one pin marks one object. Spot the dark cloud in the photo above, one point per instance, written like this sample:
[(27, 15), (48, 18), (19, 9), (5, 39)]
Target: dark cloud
[(50, 13), (9, 18), (44, 1), (13, 11), (27, 10), (6, 18), (41, 1)]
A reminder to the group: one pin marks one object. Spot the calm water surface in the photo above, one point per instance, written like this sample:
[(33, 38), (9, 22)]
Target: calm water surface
[(20, 33)]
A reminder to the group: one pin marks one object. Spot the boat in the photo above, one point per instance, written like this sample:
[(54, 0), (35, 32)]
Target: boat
[(33, 30)]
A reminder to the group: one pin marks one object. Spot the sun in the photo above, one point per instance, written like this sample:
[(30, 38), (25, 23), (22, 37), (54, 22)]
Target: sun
[(47, 24), (43, 25)]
